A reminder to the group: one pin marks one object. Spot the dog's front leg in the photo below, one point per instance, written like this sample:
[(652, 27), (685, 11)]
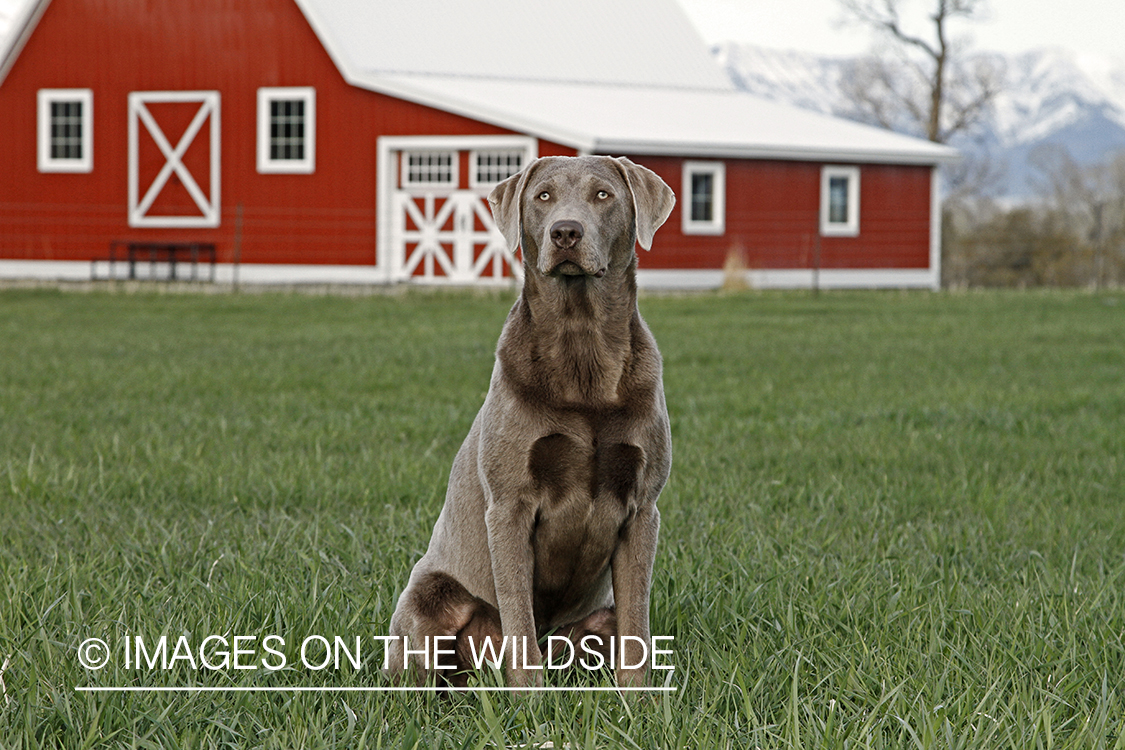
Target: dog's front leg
[(510, 520), (632, 580)]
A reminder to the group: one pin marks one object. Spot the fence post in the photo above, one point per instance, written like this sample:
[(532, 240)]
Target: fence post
[(237, 245)]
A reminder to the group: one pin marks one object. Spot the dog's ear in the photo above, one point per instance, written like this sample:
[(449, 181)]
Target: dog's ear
[(652, 199), (505, 200)]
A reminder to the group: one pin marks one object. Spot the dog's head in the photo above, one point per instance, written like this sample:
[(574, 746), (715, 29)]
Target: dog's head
[(580, 216)]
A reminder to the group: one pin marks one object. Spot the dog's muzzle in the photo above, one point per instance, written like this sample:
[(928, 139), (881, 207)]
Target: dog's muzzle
[(567, 258)]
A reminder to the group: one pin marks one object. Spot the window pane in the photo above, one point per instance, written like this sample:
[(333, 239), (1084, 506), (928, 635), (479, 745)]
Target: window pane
[(66, 130), (425, 168), (287, 129), (838, 200), (702, 196), (497, 166)]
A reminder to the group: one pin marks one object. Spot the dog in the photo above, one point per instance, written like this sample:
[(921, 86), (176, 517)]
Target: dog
[(550, 522)]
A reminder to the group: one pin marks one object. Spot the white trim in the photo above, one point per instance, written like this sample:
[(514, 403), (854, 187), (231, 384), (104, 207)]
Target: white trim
[(248, 273), (850, 227), (842, 278), (651, 279), (305, 165), (45, 270), (267, 273), (701, 150), (717, 223), (847, 278), (47, 163), (935, 226), (460, 143), (676, 280), (139, 206)]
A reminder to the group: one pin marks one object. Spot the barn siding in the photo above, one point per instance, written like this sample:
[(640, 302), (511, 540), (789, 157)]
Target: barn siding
[(772, 219)]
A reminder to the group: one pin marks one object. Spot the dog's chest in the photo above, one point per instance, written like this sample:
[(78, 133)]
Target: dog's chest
[(587, 491), (593, 468)]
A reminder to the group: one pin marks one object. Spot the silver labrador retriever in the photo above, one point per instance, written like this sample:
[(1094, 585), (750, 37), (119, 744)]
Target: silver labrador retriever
[(550, 520)]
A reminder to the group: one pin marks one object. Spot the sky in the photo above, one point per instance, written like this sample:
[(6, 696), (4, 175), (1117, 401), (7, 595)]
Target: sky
[(1084, 27)]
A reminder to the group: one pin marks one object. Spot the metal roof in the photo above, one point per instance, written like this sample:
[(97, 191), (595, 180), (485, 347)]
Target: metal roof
[(628, 76), (650, 120), (18, 33), (625, 42)]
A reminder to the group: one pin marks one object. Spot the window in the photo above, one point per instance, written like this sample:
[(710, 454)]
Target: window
[(66, 125), (839, 201), (287, 130), (705, 191), (429, 168), (492, 167)]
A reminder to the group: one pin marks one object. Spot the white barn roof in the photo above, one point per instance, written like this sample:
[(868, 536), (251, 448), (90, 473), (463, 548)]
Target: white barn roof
[(624, 42), (629, 76)]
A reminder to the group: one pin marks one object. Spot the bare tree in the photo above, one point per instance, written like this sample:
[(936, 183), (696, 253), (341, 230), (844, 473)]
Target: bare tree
[(929, 84), (1089, 202)]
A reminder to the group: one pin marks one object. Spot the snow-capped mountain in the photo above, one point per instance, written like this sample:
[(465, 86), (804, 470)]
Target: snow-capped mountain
[(1048, 97)]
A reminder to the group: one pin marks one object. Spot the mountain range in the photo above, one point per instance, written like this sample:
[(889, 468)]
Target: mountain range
[(1047, 98)]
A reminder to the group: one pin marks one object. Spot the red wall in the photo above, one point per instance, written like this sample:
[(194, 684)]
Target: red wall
[(115, 47), (772, 218)]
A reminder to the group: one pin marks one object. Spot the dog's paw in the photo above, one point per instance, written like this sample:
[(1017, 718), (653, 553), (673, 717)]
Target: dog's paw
[(525, 678), (631, 678)]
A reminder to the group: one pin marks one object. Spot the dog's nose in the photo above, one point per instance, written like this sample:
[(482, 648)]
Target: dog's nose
[(565, 234)]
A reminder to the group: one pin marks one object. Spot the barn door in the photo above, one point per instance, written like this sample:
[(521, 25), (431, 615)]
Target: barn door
[(436, 225), (449, 237), (174, 159)]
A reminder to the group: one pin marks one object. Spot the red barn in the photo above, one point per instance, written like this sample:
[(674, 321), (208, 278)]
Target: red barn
[(355, 141)]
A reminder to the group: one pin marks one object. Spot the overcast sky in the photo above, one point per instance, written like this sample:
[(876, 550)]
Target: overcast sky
[(1090, 27)]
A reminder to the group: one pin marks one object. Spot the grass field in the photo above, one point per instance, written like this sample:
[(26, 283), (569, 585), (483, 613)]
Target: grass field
[(894, 520)]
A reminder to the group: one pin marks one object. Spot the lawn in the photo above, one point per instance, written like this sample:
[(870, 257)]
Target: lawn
[(894, 520)]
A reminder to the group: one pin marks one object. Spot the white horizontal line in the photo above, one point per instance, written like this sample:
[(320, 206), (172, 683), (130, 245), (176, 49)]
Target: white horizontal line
[(347, 689)]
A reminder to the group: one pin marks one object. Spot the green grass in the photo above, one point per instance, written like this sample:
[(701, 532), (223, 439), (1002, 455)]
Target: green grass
[(894, 520)]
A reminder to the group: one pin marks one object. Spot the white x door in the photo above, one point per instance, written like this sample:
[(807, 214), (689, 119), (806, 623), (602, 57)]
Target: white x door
[(450, 237), (174, 159)]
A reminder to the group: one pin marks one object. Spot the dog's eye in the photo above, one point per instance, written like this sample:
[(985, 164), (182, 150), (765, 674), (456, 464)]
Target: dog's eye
[(544, 196), (602, 195)]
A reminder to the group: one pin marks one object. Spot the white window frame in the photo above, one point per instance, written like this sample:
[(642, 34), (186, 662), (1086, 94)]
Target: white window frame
[(454, 181), (474, 155), (717, 223), (268, 165), (850, 227), (48, 163)]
